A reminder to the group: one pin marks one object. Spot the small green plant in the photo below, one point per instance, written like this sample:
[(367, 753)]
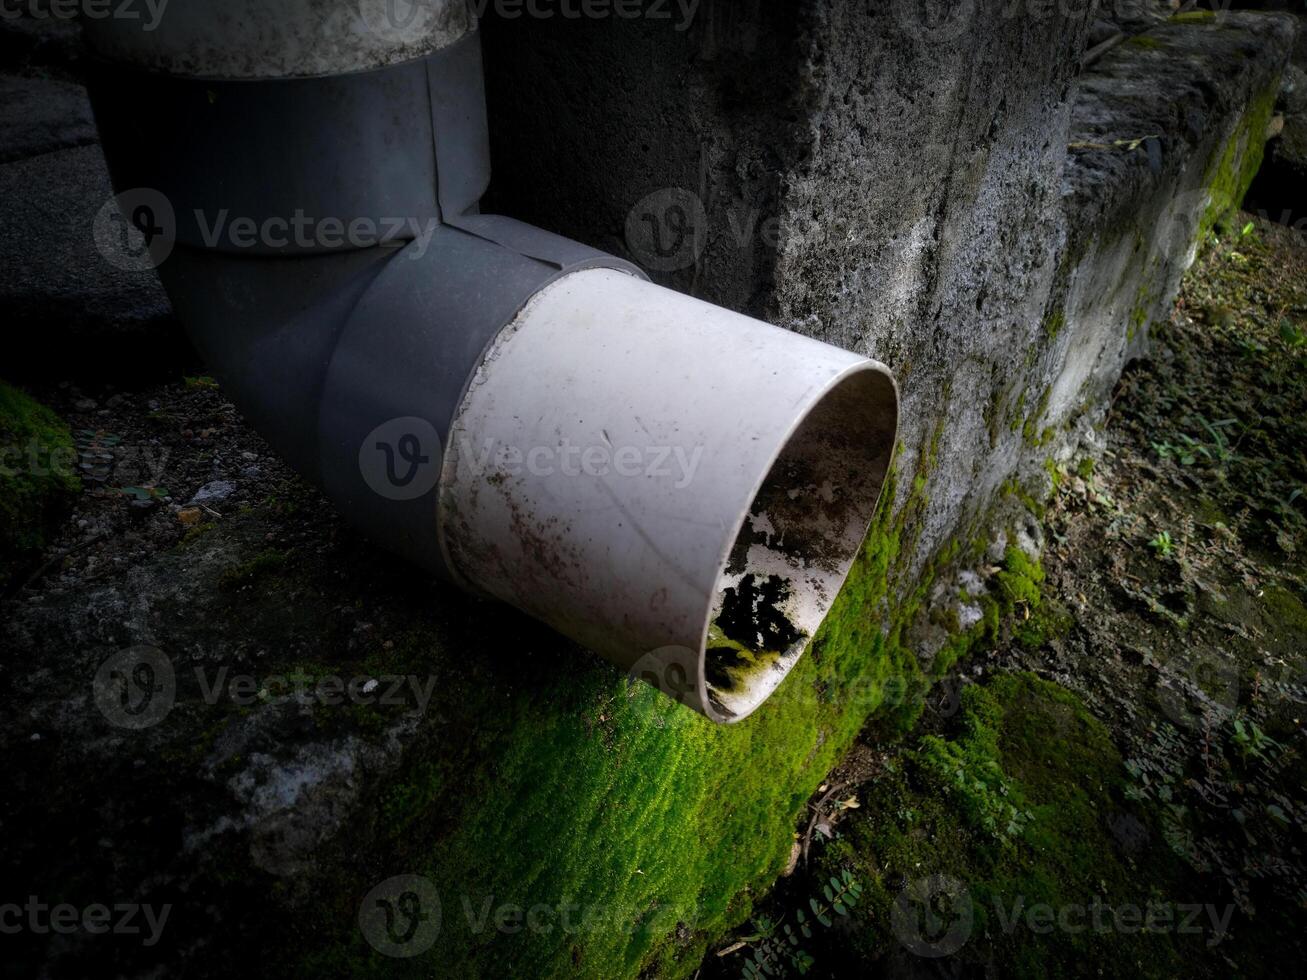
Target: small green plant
[(144, 493), (1181, 454), (1162, 544), (1251, 742), (1220, 450), (1293, 335), (776, 945), (1188, 450)]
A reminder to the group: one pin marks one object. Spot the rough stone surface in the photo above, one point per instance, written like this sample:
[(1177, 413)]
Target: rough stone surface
[(903, 199), (41, 42), (74, 307), (42, 115), (1136, 211)]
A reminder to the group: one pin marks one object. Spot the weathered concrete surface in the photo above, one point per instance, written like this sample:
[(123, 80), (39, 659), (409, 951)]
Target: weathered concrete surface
[(890, 184), (902, 199), (56, 278), (73, 308), (1201, 93), (42, 115)]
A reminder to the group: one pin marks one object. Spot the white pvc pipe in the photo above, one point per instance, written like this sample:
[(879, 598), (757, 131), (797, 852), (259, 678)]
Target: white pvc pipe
[(274, 38), (679, 487)]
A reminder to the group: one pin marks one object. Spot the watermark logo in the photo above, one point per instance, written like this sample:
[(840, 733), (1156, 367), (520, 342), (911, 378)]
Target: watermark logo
[(1197, 691), (136, 230), (391, 16), (1125, 919), (932, 917), (671, 670), (1287, 217), (677, 464), (401, 916), (135, 688), (38, 458), (1176, 236), (401, 459), (667, 230), (122, 919), (149, 13), (937, 21), (305, 231)]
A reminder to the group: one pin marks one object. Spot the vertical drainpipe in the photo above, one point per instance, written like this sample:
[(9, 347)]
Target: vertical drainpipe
[(678, 487)]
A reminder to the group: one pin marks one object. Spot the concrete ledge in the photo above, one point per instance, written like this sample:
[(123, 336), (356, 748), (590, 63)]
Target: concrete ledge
[(1167, 133)]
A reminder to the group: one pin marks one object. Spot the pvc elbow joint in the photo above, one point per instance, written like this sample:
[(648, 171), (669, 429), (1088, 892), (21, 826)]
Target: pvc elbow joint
[(676, 486)]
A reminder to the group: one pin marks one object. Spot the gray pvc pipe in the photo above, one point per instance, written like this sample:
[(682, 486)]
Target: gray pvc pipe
[(681, 488), (285, 39)]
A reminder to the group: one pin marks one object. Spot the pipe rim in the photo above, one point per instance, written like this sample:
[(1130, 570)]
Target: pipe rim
[(884, 402)]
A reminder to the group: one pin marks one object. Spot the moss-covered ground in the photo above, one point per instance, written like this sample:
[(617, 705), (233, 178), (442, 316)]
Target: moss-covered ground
[(1109, 780), (666, 834), (38, 475)]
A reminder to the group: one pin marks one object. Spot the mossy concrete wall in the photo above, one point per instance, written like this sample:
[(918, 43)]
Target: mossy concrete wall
[(886, 177), (1155, 169), (895, 185)]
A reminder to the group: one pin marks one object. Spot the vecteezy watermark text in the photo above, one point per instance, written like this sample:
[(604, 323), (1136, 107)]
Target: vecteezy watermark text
[(399, 15), (933, 917), (137, 688), (121, 919), (149, 12), (569, 459), (403, 916), (305, 231), (138, 229)]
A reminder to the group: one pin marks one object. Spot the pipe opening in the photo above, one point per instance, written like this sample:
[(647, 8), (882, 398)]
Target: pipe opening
[(798, 540)]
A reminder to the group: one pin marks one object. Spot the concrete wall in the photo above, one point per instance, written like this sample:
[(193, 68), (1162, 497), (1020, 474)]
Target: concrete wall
[(896, 180), (864, 174)]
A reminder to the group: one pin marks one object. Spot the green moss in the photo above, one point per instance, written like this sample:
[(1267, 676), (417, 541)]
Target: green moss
[(1054, 323), (1015, 422), (1144, 41), (668, 818), (1047, 621), (1017, 596), (1020, 578), (1013, 487), (195, 533), (1193, 17), (250, 571), (1054, 473), (968, 770), (1085, 468), (1138, 321), (731, 664), (1030, 430), (1236, 163), (37, 477), (960, 646), (994, 415), (1038, 785), (1286, 610)]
